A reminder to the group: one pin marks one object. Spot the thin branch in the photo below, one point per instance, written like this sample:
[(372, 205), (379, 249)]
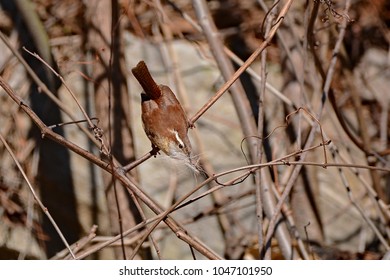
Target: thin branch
[(44, 209), (116, 170), (247, 63), (91, 125), (327, 77), (46, 90)]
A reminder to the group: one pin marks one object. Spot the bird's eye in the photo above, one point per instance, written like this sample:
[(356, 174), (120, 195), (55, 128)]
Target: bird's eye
[(179, 141)]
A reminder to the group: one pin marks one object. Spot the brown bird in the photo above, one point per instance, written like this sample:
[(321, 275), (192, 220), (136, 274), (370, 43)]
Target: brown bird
[(163, 118)]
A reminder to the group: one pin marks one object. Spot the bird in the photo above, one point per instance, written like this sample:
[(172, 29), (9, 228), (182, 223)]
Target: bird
[(164, 119)]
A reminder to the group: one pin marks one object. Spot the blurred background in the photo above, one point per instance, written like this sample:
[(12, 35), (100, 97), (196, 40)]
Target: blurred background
[(317, 95)]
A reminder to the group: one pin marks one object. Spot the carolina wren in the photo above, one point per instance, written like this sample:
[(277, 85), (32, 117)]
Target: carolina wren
[(163, 118)]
